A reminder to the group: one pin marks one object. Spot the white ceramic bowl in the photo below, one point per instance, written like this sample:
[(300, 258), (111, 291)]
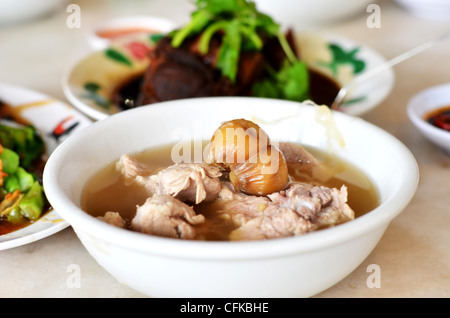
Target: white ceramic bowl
[(424, 102), (428, 9), (305, 13), (289, 267)]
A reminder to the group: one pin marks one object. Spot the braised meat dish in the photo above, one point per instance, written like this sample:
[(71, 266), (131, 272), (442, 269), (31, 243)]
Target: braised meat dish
[(226, 49), (184, 72)]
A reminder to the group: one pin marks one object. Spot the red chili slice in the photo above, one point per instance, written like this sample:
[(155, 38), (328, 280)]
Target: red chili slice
[(442, 121)]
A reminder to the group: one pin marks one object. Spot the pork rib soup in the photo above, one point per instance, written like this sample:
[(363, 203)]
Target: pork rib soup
[(222, 201)]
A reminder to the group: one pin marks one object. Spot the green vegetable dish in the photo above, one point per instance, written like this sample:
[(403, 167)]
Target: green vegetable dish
[(22, 152)]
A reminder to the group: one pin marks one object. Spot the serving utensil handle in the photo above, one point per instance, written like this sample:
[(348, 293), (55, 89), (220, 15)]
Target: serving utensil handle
[(384, 66)]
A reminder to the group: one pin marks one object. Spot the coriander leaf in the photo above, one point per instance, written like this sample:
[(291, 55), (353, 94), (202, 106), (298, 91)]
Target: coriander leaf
[(240, 24), (295, 81), (254, 40), (229, 52), (205, 38), (242, 28), (290, 83), (220, 6), (266, 88), (200, 20)]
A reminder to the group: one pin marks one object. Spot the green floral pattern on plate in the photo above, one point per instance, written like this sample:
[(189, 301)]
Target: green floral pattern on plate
[(118, 56), (92, 94), (339, 57)]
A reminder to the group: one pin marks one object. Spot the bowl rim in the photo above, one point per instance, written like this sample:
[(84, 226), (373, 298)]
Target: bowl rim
[(417, 117), (85, 224), (135, 19)]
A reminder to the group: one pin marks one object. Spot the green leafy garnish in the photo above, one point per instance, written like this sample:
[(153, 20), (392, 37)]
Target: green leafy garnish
[(242, 28), (290, 83)]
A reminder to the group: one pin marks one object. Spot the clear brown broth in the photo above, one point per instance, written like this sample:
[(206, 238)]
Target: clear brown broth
[(106, 190)]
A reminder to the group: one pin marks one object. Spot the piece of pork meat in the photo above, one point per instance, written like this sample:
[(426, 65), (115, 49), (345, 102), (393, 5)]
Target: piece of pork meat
[(297, 155), (163, 215), (130, 168), (299, 209), (193, 182), (260, 218), (113, 218), (240, 207), (184, 72), (176, 73), (274, 222), (321, 205)]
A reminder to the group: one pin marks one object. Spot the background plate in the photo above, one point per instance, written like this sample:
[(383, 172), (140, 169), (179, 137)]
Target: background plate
[(46, 114), (90, 83)]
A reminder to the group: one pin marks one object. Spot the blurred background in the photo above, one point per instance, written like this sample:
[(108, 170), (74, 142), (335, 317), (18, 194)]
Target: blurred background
[(41, 40), (39, 31)]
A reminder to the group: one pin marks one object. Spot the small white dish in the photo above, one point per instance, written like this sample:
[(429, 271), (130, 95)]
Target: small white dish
[(90, 84), (423, 103), (46, 114), (14, 12), (428, 9), (305, 13), (127, 28), (163, 267)]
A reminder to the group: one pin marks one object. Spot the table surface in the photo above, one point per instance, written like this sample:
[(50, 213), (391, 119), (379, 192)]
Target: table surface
[(413, 256)]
